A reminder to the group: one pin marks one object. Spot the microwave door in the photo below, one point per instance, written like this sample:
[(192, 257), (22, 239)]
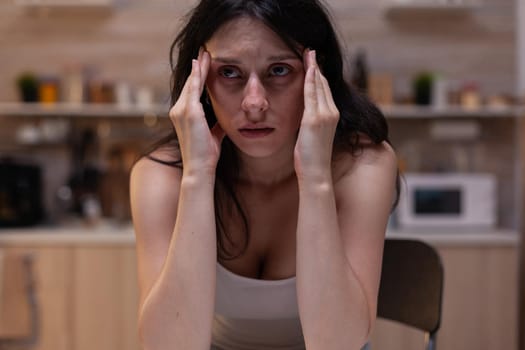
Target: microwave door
[(437, 201)]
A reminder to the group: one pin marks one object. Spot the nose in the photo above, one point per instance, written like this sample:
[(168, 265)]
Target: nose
[(254, 102)]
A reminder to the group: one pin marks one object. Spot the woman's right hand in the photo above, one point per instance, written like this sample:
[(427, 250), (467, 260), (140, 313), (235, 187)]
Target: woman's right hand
[(199, 146)]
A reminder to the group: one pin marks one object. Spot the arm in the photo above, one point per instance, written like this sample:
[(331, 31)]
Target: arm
[(176, 262), (339, 250), (174, 219), (341, 226)]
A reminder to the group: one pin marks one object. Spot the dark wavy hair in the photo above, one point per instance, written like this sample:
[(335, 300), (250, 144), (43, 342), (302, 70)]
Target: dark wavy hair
[(299, 23)]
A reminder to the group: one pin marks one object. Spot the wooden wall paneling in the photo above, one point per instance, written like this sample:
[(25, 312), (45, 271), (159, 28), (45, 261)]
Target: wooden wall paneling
[(139, 35)]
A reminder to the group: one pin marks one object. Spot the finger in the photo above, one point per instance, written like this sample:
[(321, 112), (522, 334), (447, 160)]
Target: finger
[(204, 67), (187, 85), (328, 94), (194, 82), (310, 96), (322, 103), (306, 61), (312, 58)]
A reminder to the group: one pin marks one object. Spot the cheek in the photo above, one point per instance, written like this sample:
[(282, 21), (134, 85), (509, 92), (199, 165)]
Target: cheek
[(298, 105), (224, 96), (224, 106), (291, 99), (221, 101), (212, 87)]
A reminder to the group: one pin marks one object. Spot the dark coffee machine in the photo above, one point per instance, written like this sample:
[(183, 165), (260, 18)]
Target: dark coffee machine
[(20, 194)]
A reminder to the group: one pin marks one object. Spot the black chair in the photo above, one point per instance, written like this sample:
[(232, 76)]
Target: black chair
[(411, 286)]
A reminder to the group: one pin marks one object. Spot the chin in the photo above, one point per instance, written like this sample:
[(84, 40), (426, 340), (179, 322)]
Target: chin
[(256, 152), (260, 153)]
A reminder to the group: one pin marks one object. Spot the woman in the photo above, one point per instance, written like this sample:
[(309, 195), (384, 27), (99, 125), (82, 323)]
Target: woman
[(260, 223)]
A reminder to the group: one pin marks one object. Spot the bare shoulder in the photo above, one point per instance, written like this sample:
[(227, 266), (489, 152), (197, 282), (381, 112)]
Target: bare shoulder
[(374, 157), (155, 176), (368, 174), (154, 191), (157, 169)]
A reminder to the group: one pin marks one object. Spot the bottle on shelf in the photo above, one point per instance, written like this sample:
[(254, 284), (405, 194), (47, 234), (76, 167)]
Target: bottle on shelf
[(360, 72), (48, 90), (73, 84)]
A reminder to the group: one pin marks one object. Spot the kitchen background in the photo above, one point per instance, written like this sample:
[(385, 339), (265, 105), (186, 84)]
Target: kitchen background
[(480, 42), (116, 54), (124, 47)]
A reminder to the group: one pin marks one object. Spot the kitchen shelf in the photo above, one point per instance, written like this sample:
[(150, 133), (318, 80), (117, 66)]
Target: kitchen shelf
[(423, 112), (79, 110), (8, 109)]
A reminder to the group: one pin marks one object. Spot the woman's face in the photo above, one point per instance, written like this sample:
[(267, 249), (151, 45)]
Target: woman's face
[(255, 83)]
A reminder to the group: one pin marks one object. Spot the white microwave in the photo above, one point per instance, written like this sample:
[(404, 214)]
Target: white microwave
[(447, 201)]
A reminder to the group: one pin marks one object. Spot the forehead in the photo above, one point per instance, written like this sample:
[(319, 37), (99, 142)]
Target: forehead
[(245, 34)]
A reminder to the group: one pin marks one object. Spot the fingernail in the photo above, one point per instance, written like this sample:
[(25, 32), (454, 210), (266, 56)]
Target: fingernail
[(313, 55)]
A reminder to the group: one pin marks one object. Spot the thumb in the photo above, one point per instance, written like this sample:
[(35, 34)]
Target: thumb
[(218, 133)]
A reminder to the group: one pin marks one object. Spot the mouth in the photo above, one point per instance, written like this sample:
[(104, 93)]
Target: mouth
[(255, 132)]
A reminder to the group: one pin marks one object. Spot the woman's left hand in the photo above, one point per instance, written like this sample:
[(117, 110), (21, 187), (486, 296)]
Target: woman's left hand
[(313, 150)]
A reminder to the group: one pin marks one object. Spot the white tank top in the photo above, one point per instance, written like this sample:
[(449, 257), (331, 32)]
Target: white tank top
[(253, 314)]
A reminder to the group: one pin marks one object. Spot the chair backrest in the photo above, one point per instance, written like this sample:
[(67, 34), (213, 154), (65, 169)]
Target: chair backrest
[(411, 284)]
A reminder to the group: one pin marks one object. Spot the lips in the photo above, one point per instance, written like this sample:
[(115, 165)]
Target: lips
[(256, 132)]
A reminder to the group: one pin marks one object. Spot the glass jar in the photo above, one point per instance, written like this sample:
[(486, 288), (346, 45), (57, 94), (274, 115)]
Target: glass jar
[(48, 90)]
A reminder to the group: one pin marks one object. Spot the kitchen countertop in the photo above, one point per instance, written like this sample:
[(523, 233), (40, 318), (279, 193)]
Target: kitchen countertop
[(75, 233), (499, 237), (110, 233)]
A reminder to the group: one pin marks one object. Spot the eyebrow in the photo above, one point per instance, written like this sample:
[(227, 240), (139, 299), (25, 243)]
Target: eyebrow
[(228, 60)]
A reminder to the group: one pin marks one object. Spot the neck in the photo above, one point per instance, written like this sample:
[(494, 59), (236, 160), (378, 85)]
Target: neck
[(267, 172)]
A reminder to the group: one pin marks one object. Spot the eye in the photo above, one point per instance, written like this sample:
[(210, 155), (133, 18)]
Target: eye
[(279, 71), (229, 72)]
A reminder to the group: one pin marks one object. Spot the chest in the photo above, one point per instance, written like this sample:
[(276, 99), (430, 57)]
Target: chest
[(272, 220)]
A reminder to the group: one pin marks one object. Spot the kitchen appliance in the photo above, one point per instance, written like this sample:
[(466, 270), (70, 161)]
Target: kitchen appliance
[(448, 201), (20, 194)]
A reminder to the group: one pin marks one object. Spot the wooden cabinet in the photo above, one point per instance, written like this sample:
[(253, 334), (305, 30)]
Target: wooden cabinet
[(53, 269), (480, 303), (87, 296), (105, 299)]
